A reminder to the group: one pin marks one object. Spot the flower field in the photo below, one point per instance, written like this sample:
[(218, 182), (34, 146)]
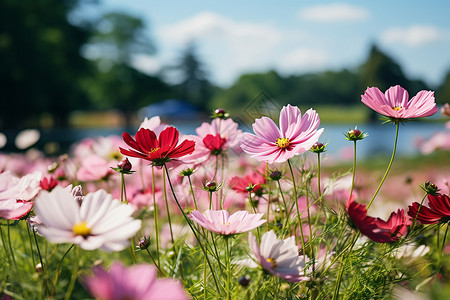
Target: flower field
[(226, 214)]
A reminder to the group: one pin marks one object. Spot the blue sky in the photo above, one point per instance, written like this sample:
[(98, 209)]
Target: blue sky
[(294, 37)]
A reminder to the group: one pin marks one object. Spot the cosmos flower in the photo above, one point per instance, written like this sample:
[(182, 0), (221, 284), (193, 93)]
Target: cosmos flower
[(157, 150), (395, 103), (250, 182), (16, 194), (279, 257), (213, 139), (99, 222), (438, 210), (220, 221), (137, 282), (296, 135), (377, 229)]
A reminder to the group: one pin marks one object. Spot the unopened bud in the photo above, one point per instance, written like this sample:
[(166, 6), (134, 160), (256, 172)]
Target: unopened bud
[(318, 147), (244, 280), (220, 113), (275, 175), (125, 165), (144, 243)]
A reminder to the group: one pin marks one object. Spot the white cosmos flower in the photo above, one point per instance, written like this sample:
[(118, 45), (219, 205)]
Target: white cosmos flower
[(98, 223), (279, 257)]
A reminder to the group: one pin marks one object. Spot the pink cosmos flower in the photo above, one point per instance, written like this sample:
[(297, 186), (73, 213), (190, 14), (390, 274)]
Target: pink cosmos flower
[(395, 103), (377, 229), (279, 257), (94, 168), (213, 139), (136, 282), (220, 221), (15, 194), (275, 145)]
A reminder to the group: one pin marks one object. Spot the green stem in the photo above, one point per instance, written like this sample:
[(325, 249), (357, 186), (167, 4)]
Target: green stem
[(155, 215), (167, 207), (296, 206), (250, 198), (10, 246), (192, 192), (192, 228), (58, 271), (389, 166), (133, 255), (341, 267), (74, 276), (31, 244), (228, 258), (318, 177), (4, 245), (154, 262), (354, 169), (210, 200), (44, 267)]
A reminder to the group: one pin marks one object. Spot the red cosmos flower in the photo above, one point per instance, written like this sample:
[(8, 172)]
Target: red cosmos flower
[(48, 183), (157, 150), (254, 179), (214, 143), (438, 210), (377, 229)]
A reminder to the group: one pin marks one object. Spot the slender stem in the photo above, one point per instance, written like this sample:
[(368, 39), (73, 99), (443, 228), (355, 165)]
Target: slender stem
[(354, 169), (341, 267), (268, 205), (192, 192), (418, 209), (122, 179), (318, 176), (443, 241), (250, 198), (155, 215), (210, 200), (389, 166), (73, 279), (310, 231), (133, 255), (228, 258), (298, 211), (154, 262), (167, 207), (204, 278), (44, 267), (192, 228), (58, 271), (4, 245), (31, 244), (10, 246)]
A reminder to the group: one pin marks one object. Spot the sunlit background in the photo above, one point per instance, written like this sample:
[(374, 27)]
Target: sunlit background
[(72, 69)]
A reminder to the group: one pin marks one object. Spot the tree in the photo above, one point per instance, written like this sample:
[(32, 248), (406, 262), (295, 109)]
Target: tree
[(191, 79), (40, 62)]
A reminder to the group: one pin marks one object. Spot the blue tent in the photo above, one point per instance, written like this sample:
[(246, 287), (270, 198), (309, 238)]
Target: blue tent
[(171, 109)]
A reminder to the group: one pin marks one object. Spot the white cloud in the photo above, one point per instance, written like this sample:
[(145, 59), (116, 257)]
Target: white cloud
[(416, 35), (303, 60), (145, 63), (336, 12), (209, 25), (227, 46)]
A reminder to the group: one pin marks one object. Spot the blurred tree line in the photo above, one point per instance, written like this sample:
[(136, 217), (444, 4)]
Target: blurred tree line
[(50, 67)]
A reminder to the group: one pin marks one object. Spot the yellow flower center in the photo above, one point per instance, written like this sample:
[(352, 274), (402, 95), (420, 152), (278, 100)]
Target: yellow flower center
[(282, 143), (397, 108), (228, 223), (153, 150), (81, 229), (272, 261)]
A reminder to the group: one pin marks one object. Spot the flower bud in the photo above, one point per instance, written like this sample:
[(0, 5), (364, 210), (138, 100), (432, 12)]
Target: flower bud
[(244, 280), (318, 147), (275, 175), (144, 243), (430, 188), (125, 165), (355, 134), (220, 113), (212, 186), (187, 172)]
